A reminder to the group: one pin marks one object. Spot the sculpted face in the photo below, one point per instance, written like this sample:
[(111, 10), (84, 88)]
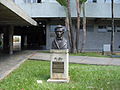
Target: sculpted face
[(59, 32), (59, 42)]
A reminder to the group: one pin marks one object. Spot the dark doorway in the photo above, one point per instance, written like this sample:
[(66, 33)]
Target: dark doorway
[(32, 37)]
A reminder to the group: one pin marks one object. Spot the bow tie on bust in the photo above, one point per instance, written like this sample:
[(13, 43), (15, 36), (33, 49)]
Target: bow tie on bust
[(59, 38)]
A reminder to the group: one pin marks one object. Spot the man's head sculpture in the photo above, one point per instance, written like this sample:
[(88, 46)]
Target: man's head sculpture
[(59, 31), (59, 42)]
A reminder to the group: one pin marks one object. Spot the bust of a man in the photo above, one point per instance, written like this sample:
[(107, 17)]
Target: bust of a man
[(59, 42)]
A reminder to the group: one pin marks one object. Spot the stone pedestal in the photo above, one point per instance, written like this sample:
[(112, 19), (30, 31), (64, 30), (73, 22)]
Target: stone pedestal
[(59, 66)]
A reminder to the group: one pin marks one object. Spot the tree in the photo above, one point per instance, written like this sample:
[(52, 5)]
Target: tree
[(66, 4), (74, 44), (84, 29), (113, 29), (78, 7)]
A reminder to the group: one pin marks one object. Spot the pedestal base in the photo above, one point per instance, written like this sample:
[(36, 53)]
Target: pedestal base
[(58, 80), (59, 66)]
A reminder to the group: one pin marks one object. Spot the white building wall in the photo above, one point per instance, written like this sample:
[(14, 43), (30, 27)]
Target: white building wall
[(95, 40), (53, 9), (18, 1)]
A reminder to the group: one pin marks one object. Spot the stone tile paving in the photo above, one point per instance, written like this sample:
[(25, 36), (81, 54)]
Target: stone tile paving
[(80, 59), (40, 56), (10, 62)]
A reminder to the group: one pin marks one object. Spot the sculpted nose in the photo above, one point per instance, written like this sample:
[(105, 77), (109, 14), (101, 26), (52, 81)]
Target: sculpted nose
[(59, 33)]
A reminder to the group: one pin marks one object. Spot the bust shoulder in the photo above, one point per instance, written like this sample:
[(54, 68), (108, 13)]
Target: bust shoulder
[(64, 40)]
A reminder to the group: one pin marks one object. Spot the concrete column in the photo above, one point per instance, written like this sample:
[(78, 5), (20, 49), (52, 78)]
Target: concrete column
[(5, 40), (8, 39), (11, 32), (22, 41)]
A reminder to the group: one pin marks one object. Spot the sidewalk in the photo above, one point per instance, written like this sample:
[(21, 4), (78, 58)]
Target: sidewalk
[(80, 59), (10, 62)]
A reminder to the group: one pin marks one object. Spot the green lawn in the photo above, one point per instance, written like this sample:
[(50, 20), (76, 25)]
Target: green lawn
[(82, 77), (91, 54)]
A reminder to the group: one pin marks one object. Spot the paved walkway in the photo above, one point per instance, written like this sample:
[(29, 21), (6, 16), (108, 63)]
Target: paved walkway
[(81, 59), (10, 62)]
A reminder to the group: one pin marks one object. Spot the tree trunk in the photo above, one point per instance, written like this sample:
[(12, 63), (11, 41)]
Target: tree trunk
[(113, 29), (68, 30), (84, 29), (78, 7), (70, 25)]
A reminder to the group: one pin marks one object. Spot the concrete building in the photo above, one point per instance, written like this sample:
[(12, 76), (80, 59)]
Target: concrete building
[(49, 13), (10, 16)]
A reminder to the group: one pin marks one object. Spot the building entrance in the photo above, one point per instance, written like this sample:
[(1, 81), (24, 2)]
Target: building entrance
[(32, 37)]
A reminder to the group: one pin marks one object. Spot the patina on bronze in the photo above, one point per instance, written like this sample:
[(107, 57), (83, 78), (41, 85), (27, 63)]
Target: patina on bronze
[(59, 42)]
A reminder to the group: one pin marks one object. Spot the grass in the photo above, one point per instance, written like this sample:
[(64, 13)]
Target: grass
[(82, 77), (47, 51), (116, 53), (91, 54)]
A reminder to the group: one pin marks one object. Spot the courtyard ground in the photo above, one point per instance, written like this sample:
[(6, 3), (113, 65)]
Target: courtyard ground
[(82, 77), (10, 62)]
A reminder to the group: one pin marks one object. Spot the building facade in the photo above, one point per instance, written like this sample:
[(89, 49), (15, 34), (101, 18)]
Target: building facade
[(10, 16), (49, 13)]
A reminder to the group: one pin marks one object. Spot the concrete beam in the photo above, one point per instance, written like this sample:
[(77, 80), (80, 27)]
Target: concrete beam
[(11, 13)]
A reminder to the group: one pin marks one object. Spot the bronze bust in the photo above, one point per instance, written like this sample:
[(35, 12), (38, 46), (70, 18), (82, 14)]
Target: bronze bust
[(59, 42)]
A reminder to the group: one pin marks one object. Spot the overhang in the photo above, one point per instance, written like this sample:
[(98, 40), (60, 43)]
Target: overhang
[(10, 13)]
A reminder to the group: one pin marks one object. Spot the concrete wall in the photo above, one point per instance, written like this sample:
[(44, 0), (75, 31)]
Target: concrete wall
[(53, 9), (18, 1), (95, 39)]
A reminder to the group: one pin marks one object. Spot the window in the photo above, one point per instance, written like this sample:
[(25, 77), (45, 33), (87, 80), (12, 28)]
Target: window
[(52, 27), (32, 1), (38, 1), (90, 28), (94, 1), (109, 1), (117, 28), (109, 28), (27, 1), (102, 29)]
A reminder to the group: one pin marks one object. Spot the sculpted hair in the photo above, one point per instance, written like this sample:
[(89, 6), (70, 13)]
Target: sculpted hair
[(59, 27)]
